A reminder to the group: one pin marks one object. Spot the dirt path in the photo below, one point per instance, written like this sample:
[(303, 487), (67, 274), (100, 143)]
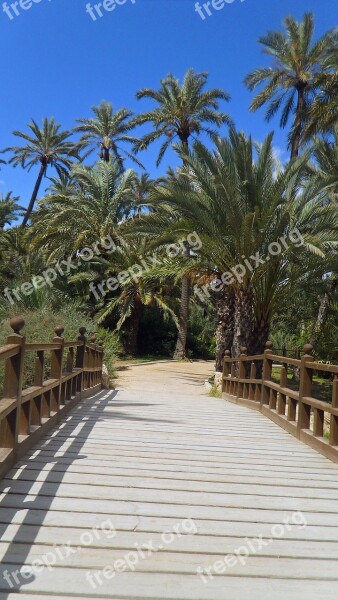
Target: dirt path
[(166, 377)]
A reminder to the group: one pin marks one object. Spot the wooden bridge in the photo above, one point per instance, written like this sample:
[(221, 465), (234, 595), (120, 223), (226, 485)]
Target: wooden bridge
[(158, 491)]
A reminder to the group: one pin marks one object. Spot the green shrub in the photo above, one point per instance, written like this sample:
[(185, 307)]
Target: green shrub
[(39, 327)]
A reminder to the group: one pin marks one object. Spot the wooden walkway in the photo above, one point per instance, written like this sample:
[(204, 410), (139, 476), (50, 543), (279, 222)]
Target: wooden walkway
[(158, 456)]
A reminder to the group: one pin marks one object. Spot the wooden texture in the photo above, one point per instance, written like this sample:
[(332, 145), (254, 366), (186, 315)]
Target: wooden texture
[(154, 456), (26, 414), (295, 410)]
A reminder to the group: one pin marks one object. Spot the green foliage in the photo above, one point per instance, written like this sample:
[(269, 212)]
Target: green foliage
[(201, 332), (112, 347), (299, 73), (215, 392), (182, 110), (39, 327), (234, 195)]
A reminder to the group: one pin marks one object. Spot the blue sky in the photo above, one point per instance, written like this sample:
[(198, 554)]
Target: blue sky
[(57, 61)]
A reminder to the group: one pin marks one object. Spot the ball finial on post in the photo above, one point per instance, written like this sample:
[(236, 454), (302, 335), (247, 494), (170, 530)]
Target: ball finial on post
[(59, 330), (268, 345), (17, 323), (308, 348)]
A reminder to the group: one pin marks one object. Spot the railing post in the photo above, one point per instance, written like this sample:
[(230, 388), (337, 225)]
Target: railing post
[(241, 374), (281, 406), (305, 389), (56, 368), (334, 420), (80, 358), (226, 370), (252, 386), (100, 361), (13, 382), (267, 373)]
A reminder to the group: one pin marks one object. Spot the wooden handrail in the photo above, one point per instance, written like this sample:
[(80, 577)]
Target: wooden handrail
[(27, 414), (297, 411)]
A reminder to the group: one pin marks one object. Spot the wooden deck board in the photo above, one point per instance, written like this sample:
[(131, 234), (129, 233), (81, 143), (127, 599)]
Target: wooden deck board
[(146, 461)]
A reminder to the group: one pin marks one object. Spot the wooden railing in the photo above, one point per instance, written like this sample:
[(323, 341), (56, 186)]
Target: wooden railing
[(248, 380), (74, 372)]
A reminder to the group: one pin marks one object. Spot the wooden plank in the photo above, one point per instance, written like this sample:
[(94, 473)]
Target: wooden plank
[(76, 491), (270, 488), (187, 543), (130, 586), (158, 470)]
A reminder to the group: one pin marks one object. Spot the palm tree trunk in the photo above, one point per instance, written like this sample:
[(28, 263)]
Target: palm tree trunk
[(322, 311), (35, 194), (225, 306), (243, 321), (298, 124), (260, 335), (180, 350), (134, 326)]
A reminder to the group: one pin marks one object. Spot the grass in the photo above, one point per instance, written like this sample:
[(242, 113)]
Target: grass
[(215, 392)]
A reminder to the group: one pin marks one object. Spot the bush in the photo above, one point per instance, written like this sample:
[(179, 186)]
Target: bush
[(39, 327)]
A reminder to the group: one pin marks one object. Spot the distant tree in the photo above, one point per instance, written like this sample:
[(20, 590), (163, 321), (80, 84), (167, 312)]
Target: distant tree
[(10, 210), (183, 111), (46, 147), (108, 129), (294, 81)]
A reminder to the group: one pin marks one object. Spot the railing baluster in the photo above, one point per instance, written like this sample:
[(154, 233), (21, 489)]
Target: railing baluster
[(282, 397), (252, 386), (267, 374), (80, 358), (56, 369), (305, 389)]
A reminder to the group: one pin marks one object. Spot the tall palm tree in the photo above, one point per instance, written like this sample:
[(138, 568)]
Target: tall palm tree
[(239, 202), (107, 130), (293, 82), (183, 110), (46, 147)]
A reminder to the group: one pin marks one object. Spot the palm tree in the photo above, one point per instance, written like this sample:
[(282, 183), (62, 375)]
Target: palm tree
[(183, 111), (325, 170), (47, 146), (107, 130), (142, 188), (83, 210), (323, 116), (9, 210), (134, 290), (325, 167), (294, 81), (239, 203)]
